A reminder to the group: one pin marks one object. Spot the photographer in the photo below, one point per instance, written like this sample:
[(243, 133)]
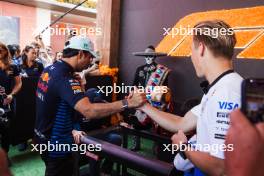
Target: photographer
[(248, 141), (10, 83)]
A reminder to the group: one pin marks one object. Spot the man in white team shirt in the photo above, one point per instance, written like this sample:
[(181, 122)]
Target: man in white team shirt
[(212, 59)]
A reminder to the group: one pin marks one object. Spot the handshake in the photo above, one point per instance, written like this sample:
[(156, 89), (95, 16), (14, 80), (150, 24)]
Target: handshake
[(136, 98)]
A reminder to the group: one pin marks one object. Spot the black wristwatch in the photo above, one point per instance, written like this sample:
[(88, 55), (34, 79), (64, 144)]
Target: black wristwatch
[(125, 104), (182, 153)]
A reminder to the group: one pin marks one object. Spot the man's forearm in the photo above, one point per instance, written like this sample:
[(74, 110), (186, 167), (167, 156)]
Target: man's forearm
[(207, 163), (99, 110), (17, 87), (166, 120)]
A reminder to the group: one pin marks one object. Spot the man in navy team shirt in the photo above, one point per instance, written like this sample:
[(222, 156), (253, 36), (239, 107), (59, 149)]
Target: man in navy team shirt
[(59, 94)]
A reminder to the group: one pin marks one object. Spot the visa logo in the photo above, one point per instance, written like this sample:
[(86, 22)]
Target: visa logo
[(228, 105)]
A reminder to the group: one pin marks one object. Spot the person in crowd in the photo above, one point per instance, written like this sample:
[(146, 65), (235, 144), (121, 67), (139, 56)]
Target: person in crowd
[(59, 94), (36, 46), (15, 54), (58, 56), (212, 59), (30, 66), (247, 139), (49, 52), (10, 83), (42, 52)]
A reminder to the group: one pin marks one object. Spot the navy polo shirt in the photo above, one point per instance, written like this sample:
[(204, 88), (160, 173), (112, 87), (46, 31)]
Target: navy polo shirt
[(57, 93), (35, 70), (7, 78)]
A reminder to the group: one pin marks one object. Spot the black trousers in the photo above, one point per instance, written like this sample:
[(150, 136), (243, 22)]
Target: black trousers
[(62, 166), (5, 132), (5, 128)]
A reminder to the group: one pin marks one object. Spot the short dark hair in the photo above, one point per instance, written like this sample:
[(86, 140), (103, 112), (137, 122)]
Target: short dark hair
[(35, 45), (12, 50), (69, 52), (222, 44)]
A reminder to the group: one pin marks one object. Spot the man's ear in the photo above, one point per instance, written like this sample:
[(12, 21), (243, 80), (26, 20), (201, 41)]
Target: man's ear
[(201, 49), (80, 55)]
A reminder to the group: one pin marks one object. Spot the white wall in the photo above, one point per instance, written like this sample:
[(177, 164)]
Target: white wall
[(43, 20)]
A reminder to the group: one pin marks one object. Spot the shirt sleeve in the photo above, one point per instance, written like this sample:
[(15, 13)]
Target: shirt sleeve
[(221, 105), (76, 126), (15, 70), (70, 91), (196, 110)]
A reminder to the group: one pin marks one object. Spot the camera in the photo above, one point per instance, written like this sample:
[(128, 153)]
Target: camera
[(6, 108), (3, 96), (253, 99), (3, 108)]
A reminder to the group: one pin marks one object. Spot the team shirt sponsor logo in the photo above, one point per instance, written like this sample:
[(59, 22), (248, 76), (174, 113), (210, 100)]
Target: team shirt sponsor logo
[(219, 136), (45, 77), (51, 67), (223, 115), (43, 87), (75, 86), (40, 96), (225, 122), (227, 105), (222, 120)]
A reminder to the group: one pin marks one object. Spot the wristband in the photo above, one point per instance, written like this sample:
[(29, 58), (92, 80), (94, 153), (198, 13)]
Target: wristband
[(124, 104), (182, 153)]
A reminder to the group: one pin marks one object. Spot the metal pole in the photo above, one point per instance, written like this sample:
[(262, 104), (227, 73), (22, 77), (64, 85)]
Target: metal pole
[(58, 19), (131, 159)]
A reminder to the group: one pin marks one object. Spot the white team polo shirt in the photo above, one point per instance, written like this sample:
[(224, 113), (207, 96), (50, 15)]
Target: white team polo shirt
[(213, 113)]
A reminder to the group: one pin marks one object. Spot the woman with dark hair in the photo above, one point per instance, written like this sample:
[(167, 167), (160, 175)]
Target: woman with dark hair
[(30, 66), (15, 53), (10, 84)]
